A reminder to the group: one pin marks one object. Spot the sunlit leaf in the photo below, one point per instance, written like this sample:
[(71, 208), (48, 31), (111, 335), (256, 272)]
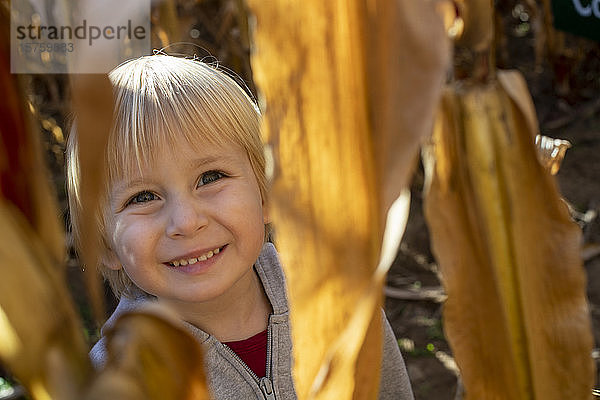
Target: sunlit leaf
[(345, 114), (40, 340)]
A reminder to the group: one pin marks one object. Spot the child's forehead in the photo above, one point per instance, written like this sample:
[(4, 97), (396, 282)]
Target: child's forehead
[(182, 152)]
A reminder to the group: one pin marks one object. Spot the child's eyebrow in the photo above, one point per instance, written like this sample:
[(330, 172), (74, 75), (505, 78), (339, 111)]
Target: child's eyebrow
[(193, 164), (206, 160), (210, 159)]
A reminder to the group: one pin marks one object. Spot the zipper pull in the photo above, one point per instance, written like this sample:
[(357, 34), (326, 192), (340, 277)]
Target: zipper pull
[(266, 387)]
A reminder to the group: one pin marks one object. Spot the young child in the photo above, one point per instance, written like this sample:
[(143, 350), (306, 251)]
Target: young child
[(184, 222)]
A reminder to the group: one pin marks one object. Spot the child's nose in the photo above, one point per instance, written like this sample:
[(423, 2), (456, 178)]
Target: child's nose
[(186, 218)]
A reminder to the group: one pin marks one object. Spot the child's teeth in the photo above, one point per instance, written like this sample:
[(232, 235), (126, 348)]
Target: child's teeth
[(191, 261)]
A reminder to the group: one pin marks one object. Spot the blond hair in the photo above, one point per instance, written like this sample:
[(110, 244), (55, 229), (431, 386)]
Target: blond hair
[(158, 99)]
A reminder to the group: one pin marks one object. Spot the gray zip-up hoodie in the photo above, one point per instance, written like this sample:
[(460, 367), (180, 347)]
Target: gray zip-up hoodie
[(230, 378)]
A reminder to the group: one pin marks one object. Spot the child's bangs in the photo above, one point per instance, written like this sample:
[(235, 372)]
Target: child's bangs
[(136, 141), (186, 100)]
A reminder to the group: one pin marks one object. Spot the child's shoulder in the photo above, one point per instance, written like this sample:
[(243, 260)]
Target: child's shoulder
[(269, 269)]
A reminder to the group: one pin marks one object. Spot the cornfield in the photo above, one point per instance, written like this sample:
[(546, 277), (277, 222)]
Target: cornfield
[(352, 92)]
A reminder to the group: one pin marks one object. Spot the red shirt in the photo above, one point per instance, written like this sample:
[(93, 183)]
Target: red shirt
[(253, 351)]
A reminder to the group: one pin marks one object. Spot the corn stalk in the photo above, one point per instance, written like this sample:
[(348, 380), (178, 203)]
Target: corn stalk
[(345, 114), (516, 315)]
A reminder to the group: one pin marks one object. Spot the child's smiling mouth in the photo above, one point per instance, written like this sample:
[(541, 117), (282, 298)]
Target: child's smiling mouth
[(193, 260)]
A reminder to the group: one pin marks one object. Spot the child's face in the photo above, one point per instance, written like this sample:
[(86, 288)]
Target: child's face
[(190, 225)]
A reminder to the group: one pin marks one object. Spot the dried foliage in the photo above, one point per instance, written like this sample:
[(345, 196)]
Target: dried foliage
[(39, 335), (345, 114), (506, 243), (92, 99), (151, 357), (504, 238)]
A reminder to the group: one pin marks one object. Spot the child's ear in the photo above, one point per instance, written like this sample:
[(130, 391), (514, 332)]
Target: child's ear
[(110, 260)]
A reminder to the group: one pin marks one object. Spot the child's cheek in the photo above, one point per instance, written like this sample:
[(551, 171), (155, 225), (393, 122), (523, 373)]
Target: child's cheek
[(130, 239)]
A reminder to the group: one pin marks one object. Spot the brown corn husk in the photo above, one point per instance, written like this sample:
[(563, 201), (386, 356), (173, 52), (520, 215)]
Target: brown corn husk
[(151, 357), (343, 139), (505, 243), (92, 103), (41, 340)]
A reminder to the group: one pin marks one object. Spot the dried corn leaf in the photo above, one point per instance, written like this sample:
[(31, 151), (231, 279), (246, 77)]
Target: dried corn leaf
[(516, 88), (345, 114), (40, 339), (505, 243), (93, 103), (151, 357), (551, 152), (23, 177)]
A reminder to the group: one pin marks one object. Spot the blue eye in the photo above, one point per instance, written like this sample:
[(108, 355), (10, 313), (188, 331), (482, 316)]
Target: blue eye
[(210, 177), (142, 197)]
